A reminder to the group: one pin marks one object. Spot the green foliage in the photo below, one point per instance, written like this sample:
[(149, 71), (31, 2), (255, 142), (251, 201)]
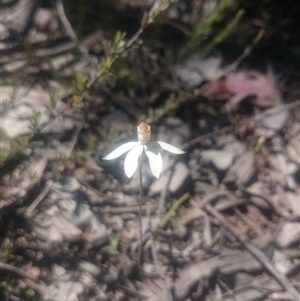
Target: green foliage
[(7, 253), (259, 145), (16, 146), (118, 42), (227, 31), (75, 100), (112, 51), (120, 46), (80, 81), (105, 65), (22, 141), (203, 27), (113, 241), (172, 210), (79, 86), (35, 120), (30, 292), (259, 36), (173, 102)]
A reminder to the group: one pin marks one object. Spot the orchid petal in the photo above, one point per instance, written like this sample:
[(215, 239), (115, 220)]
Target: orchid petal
[(132, 160), (121, 150), (170, 148), (155, 161)]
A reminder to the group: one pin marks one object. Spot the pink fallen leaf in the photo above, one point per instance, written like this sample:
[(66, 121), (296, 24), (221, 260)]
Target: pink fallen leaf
[(262, 87)]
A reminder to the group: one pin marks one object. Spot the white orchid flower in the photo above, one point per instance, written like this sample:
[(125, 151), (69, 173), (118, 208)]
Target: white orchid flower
[(143, 145)]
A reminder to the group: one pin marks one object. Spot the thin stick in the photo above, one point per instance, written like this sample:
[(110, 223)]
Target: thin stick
[(35, 203), (69, 30), (139, 259)]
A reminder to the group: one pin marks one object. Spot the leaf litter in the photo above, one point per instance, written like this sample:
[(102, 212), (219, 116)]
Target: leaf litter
[(70, 228)]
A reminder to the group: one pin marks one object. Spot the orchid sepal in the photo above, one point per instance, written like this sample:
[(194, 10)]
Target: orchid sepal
[(121, 150), (170, 148)]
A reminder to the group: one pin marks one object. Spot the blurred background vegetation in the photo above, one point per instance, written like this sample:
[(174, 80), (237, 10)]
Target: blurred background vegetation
[(141, 42)]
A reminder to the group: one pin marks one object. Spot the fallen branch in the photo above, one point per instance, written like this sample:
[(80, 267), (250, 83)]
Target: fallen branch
[(257, 253)]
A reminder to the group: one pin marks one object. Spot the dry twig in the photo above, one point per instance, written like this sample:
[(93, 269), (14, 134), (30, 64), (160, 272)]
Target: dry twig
[(69, 30), (40, 197)]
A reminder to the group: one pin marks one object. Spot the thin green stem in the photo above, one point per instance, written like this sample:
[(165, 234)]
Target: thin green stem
[(139, 259), (172, 210)]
